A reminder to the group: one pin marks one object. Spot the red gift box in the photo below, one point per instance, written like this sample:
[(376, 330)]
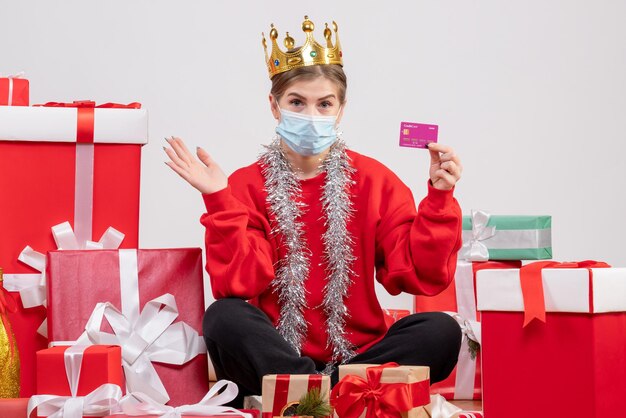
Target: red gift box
[(394, 315), (574, 363), (46, 178), (465, 381), (135, 281), (14, 91), (92, 373), (100, 364), (14, 407)]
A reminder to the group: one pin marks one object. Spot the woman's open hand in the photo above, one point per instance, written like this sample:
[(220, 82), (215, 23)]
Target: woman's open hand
[(445, 166), (202, 173)]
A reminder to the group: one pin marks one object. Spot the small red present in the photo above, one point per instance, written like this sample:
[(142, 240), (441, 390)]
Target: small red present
[(79, 164), (282, 391), (100, 364), (150, 302), (554, 333), (14, 91), (78, 375), (459, 299)]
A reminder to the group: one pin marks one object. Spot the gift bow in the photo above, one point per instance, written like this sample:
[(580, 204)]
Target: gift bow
[(32, 287), (138, 403), (353, 394), (474, 249), (532, 285), (101, 401), (152, 336)]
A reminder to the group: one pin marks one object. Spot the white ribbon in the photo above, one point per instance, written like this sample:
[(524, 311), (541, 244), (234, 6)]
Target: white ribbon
[(32, 287), (440, 408), (138, 403), (146, 337), (101, 401), (470, 328), (474, 249)]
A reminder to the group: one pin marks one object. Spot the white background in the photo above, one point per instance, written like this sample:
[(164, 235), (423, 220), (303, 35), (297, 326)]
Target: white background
[(531, 94)]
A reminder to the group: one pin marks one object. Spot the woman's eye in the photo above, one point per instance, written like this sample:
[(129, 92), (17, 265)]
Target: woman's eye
[(295, 102), (326, 104)]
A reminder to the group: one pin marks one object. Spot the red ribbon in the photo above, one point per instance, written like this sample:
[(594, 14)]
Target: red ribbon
[(85, 120), (353, 394), (7, 304), (532, 285)]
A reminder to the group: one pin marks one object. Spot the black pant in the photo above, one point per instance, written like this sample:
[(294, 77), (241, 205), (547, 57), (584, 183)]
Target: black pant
[(244, 345)]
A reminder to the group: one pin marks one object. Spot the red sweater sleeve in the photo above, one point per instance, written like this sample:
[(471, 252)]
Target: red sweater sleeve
[(238, 251), (416, 252)]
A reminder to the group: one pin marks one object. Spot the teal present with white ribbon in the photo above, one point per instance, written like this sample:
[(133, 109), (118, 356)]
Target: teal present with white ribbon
[(501, 237)]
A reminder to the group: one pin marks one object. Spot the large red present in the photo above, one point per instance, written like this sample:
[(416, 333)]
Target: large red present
[(573, 363), (77, 377), (459, 299), (148, 301), (80, 165), (14, 91)]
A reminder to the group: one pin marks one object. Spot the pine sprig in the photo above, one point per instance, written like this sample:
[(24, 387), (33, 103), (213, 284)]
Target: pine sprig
[(312, 403)]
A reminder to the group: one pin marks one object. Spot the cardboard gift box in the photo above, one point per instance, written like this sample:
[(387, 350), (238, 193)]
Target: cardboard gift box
[(148, 301), (381, 390), (14, 91), (459, 299), (60, 164), (500, 237), (280, 391), (85, 377), (570, 357)]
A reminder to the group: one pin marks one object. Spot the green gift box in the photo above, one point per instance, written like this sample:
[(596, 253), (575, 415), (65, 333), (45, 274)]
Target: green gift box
[(503, 237)]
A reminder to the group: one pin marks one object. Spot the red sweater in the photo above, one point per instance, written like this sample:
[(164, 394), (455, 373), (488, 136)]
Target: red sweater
[(404, 249)]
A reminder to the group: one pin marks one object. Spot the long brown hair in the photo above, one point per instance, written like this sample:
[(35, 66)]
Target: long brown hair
[(333, 72)]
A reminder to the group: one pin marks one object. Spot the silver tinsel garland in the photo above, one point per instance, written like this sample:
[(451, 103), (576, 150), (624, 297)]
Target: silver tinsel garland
[(283, 189)]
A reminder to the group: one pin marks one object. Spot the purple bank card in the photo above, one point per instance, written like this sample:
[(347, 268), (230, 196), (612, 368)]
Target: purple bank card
[(417, 135)]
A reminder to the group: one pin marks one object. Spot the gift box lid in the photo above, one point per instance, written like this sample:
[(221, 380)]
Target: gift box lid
[(579, 290), (59, 124)]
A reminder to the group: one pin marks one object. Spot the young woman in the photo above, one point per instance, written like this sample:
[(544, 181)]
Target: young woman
[(302, 233)]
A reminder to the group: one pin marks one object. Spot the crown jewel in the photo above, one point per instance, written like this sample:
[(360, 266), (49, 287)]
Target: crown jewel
[(310, 53)]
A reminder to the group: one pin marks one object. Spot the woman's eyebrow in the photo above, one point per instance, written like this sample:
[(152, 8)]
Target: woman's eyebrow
[(299, 96)]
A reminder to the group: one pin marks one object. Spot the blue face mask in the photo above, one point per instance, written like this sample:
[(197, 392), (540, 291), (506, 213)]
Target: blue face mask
[(307, 134)]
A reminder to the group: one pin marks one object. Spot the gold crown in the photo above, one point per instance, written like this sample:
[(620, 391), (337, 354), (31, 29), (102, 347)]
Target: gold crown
[(310, 53)]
